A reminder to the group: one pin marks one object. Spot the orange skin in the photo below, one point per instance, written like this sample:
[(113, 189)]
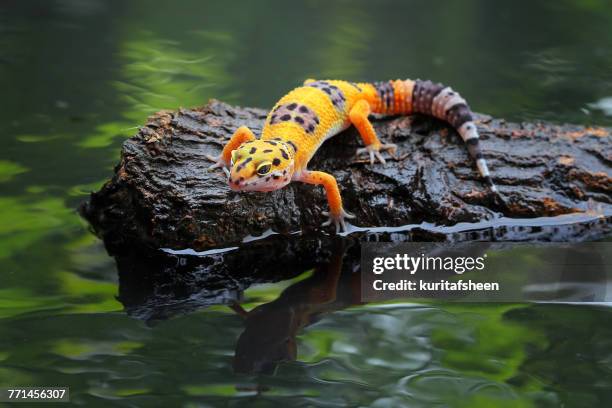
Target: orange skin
[(297, 126)]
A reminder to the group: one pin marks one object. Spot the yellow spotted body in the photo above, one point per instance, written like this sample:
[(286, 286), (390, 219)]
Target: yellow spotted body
[(332, 119)]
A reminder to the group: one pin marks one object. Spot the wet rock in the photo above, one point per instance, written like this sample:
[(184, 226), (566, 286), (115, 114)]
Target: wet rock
[(162, 196)]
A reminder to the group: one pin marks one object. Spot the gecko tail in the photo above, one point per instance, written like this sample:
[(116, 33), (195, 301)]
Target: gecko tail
[(405, 97), (442, 102), (481, 163), (470, 136)]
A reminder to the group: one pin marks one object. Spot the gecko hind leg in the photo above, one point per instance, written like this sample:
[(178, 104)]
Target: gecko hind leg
[(359, 118)]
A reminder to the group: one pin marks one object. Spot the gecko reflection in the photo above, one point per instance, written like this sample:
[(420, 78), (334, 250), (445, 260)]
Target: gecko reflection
[(269, 337)]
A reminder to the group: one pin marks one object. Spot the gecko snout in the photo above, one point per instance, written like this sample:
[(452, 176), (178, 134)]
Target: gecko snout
[(236, 182)]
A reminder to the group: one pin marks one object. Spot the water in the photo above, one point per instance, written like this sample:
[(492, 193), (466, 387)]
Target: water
[(77, 77)]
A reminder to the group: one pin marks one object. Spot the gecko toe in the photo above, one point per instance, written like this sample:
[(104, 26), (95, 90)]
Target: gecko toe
[(379, 157), (218, 164), (348, 215), (212, 158), (390, 147)]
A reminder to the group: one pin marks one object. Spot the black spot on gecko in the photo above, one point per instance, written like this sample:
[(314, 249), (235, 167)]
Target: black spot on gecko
[(334, 93), (299, 119), (276, 161), (285, 155), (268, 151), (285, 117), (292, 106), (275, 177), (244, 163), (253, 150), (311, 128), (295, 149), (303, 109), (271, 142)]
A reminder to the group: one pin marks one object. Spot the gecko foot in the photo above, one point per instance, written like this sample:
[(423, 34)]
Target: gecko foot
[(374, 151), (218, 163), (339, 220)]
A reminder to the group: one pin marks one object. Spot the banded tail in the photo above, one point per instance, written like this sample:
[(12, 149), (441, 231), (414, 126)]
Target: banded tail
[(437, 100)]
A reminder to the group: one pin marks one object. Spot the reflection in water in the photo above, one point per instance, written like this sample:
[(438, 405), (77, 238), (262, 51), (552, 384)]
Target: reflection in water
[(317, 335), (417, 346), (270, 330)]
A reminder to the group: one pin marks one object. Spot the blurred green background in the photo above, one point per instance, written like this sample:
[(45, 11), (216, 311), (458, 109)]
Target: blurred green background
[(79, 76)]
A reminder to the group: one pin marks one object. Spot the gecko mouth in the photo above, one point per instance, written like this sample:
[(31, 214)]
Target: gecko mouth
[(255, 186)]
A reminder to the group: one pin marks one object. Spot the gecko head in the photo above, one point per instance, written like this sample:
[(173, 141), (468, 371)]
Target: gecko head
[(261, 165)]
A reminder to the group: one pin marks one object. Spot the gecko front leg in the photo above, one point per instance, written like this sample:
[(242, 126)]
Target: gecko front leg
[(359, 118), (241, 135), (336, 213)]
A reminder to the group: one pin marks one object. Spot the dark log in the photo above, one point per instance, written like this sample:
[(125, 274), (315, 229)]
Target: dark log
[(162, 195)]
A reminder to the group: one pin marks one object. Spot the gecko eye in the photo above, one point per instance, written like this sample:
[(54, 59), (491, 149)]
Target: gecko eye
[(264, 168), (234, 157)]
